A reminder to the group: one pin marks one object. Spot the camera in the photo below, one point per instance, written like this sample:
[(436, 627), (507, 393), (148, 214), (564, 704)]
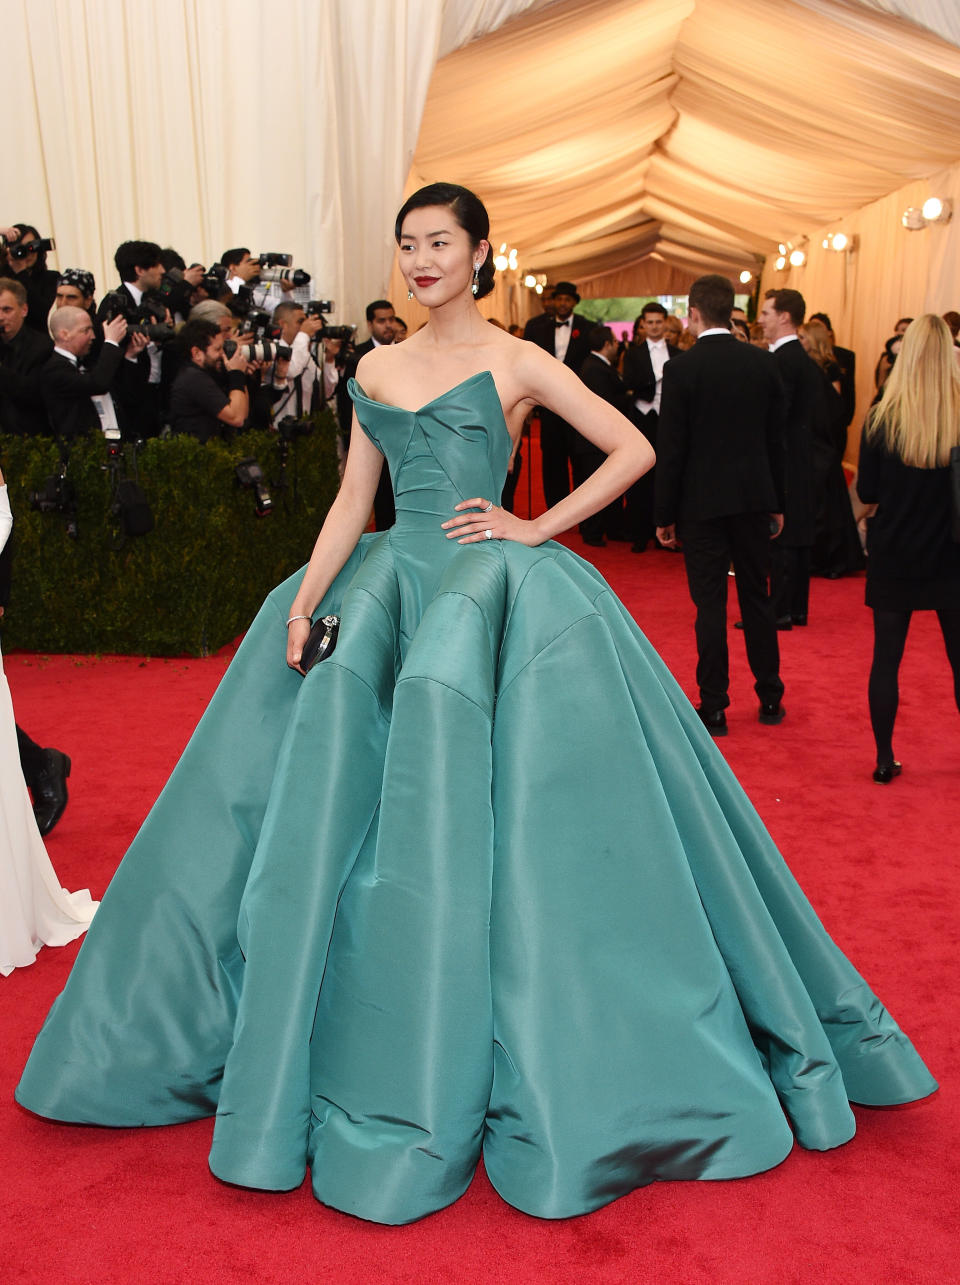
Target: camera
[(57, 495), (290, 427), (257, 322), (249, 475), (262, 350), (147, 318), (214, 280), (320, 308), (20, 249), (273, 259), (296, 275)]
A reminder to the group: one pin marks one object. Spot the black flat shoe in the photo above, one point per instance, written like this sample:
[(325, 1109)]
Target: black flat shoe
[(49, 790), (715, 721), (884, 773), (771, 713), (785, 622), (799, 621)]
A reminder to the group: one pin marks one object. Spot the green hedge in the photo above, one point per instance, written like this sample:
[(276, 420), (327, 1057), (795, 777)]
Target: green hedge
[(190, 585)]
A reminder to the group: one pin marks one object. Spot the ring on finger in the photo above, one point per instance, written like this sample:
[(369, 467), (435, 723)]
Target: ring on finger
[(488, 534), (487, 507)]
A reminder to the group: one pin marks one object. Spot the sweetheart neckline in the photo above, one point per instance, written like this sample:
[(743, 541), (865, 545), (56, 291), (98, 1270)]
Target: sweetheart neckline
[(439, 398)]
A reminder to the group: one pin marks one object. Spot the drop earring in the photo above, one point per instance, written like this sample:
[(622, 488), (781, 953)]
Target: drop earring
[(475, 288), (409, 294)]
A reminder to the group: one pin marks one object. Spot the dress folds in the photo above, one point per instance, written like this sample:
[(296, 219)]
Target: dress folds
[(480, 883)]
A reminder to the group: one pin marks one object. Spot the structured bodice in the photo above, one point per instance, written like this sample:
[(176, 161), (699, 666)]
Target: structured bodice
[(453, 448)]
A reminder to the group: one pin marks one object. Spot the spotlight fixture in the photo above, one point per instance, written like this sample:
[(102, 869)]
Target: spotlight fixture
[(746, 277), (530, 281), (839, 241), (500, 262), (937, 210), (538, 288), (912, 219), (781, 263), (797, 258), (783, 249)]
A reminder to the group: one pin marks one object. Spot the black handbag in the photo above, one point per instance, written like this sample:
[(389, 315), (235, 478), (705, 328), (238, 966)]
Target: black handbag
[(320, 642), (955, 490)]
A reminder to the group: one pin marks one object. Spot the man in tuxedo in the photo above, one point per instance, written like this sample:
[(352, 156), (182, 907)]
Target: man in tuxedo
[(142, 390), (643, 365), (565, 338), (600, 376), (719, 493), (847, 361), (380, 319), (806, 409), (68, 389), (23, 352)]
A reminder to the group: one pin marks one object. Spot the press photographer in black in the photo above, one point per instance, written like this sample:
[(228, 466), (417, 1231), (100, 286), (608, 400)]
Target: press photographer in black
[(68, 390), (140, 395), (25, 254), (23, 352), (200, 404)]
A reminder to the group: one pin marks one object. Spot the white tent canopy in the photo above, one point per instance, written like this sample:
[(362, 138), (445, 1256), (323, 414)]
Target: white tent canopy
[(628, 145)]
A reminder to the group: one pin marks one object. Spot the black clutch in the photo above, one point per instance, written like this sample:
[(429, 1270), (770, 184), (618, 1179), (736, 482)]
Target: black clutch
[(320, 642)]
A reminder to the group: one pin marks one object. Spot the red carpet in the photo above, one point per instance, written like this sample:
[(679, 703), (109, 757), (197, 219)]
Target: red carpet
[(879, 863)]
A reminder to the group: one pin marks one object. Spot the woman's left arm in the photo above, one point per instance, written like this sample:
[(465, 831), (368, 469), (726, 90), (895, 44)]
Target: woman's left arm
[(547, 382), (6, 517)]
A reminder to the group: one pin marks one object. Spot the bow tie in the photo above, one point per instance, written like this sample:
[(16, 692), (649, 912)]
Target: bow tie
[(568, 322)]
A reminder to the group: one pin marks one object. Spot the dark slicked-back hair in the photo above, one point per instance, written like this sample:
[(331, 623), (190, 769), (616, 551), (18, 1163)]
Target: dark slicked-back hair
[(230, 257), (376, 306), (821, 316), (653, 306), (791, 302), (135, 254), (599, 336), (712, 296), (470, 213)]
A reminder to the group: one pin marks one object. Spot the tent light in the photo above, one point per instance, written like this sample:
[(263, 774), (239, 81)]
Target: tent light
[(530, 281), (825, 243), (912, 219), (783, 249), (937, 210), (512, 259), (781, 263), (538, 288), (500, 262), (745, 277), (797, 258)]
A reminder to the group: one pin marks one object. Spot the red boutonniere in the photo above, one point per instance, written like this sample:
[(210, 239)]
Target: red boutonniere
[(576, 334)]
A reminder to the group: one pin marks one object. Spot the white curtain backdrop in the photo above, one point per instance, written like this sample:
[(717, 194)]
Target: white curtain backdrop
[(205, 124)]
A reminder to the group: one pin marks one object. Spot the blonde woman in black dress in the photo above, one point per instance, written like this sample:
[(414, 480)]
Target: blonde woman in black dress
[(913, 561)]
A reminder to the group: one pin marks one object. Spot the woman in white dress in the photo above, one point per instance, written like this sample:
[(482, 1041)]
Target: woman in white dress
[(34, 910)]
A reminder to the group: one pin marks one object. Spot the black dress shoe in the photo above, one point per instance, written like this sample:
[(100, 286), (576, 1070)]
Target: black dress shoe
[(638, 546), (49, 790), (595, 542), (738, 624), (799, 621), (715, 720), (785, 622), (884, 773), (772, 712)]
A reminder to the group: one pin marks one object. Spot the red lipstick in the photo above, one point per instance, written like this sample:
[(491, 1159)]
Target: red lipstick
[(423, 282)]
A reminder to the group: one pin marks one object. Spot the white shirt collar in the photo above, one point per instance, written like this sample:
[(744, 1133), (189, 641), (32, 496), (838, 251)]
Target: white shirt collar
[(69, 355), (602, 358), (659, 344), (714, 330), (135, 292), (568, 322), (784, 339)]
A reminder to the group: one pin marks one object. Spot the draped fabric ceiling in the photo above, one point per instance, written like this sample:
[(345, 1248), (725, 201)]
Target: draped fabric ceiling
[(630, 145)]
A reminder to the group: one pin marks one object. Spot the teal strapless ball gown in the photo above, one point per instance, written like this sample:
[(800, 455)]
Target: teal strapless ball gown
[(480, 883)]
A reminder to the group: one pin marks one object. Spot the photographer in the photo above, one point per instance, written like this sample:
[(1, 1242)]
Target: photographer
[(180, 283), (75, 287), (22, 354), (26, 262), (304, 390), (198, 403), (140, 395), (78, 401)]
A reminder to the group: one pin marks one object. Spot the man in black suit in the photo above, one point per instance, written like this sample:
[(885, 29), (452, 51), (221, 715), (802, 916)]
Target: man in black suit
[(565, 338), (380, 319), (23, 352), (69, 390), (719, 492), (600, 376), (806, 410), (643, 365), (144, 384)]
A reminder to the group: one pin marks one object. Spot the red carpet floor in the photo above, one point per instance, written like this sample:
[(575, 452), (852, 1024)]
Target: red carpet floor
[(85, 1205)]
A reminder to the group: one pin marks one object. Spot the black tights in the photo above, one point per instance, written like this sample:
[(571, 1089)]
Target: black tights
[(889, 637)]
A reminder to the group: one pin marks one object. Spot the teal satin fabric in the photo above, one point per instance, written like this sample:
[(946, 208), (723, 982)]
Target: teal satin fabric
[(480, 882)]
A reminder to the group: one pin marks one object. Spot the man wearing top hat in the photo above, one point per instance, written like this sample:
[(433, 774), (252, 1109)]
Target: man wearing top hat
[(568, 339)]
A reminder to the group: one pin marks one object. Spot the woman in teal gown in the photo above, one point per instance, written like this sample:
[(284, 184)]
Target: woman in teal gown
[(480, 883)]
